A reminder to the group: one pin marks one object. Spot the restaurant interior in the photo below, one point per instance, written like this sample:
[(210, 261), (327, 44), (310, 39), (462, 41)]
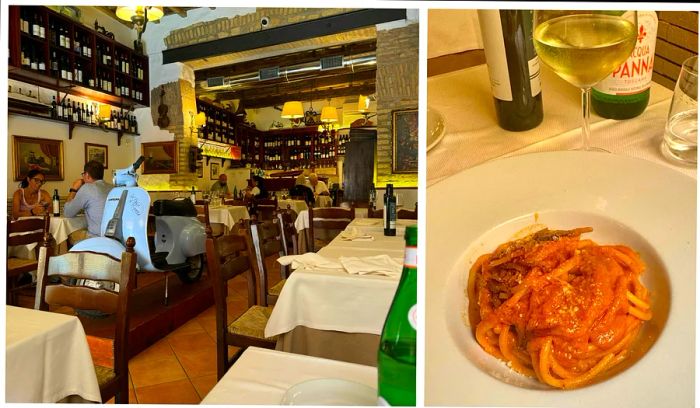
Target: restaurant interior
[(265, 163)]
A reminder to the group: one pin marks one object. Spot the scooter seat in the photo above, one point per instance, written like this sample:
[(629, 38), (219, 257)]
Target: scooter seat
[(182, 208)]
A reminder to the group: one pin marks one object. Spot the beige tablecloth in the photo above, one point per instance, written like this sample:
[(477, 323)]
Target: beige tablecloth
[(228, 215), (296, 205), (261, 376), (472, 135), (46, 357)]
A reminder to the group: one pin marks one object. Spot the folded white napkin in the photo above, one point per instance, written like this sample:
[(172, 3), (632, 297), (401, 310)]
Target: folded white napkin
[(309, 260), (354, 234), (372, 265)]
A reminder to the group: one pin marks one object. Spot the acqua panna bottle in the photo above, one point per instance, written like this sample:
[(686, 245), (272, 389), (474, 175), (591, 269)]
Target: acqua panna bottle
[(514, 67), (396, 362), (624, 94)]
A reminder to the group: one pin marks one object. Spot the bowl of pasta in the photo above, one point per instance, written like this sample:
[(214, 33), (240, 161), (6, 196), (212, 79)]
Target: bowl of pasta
[(563, 289)]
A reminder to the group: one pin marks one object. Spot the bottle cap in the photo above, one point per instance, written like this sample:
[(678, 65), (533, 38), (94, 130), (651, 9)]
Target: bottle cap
[(411, 235)]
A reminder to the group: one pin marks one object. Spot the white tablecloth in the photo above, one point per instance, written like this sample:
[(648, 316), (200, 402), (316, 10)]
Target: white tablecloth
[(228, 215), (296, 205), (59, 227), (46, 357), (324, 201), (332, 299), (472, 135), (261, 376)]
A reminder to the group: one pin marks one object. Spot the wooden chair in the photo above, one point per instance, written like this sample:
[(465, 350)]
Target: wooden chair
[(290, 236), (24, 232), (249, 328), (326, 223), (266, 240), (217, 229), (264, 208), (110, 356)]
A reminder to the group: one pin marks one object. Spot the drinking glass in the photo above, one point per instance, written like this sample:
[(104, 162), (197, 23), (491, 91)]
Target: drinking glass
[(681, 134), (583, 47)]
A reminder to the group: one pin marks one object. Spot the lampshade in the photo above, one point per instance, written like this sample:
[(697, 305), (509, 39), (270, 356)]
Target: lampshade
[(105, 111), (329, 114), (363, 103), (127, 12), (292, 110), (200, 119)]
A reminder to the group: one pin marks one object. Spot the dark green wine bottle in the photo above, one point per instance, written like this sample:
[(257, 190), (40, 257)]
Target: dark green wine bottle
[(514, 68), (396, 363)]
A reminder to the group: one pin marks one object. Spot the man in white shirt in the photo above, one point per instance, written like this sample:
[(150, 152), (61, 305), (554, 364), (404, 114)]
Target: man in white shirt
[(319, 187)]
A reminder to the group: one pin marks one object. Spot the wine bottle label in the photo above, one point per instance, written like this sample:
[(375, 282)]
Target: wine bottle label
[(495, 51), (535, 83), (413, 317), (410, 259), (634, 75)]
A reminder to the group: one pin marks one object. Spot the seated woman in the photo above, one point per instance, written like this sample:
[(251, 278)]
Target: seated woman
[(30, 199)]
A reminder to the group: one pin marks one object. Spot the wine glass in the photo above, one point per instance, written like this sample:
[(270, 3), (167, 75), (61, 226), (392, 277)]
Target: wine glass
[(584, 47)]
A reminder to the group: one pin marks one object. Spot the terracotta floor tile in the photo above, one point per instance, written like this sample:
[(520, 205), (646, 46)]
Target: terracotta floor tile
[(198, 362), (209, 325), (158, 351), (188, 328), (188, 343), (210, 312), (175, 392), (204, 384), (150, 372)]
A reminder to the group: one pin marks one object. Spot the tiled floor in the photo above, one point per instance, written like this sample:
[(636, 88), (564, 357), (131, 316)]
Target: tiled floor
[(181, 368)]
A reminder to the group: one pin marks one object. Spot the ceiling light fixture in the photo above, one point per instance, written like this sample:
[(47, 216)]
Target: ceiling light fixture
[(294, 111)]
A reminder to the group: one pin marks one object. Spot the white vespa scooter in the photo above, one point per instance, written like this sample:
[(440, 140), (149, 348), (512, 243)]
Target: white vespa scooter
[(179, 235)]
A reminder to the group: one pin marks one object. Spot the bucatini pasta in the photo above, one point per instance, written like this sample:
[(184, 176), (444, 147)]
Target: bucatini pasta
[(558, 307)]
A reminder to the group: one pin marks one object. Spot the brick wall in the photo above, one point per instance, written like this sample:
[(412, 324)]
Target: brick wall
[(676, 40), (397, 88)]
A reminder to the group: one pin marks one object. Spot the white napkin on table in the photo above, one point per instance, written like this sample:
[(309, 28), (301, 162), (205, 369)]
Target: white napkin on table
[(367, 221), (354, 234), (309, 260), (372, 265)]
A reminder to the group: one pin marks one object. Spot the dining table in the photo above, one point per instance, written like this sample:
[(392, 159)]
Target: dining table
[(60, 228), (333, 314), (47, 358), (228, 215), (296, 205), (262, 376)]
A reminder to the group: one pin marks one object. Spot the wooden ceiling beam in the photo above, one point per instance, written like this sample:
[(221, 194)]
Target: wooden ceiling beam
[(254, 101)]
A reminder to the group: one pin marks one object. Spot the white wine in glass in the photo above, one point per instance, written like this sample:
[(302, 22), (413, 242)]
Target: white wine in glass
[(584, 47)]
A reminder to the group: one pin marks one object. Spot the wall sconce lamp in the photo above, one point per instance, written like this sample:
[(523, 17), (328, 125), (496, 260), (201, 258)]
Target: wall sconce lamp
[(363, 103), (139, 16), (104, 115), (293, 111)]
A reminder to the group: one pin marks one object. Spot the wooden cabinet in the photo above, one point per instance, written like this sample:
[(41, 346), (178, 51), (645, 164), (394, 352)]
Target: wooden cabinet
[(52, 51), (303, 147), (358, 168)]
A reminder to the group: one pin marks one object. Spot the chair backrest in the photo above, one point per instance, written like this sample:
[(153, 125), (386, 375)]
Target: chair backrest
[(290, 236), (88, 267), (404, 214), (27, 231), (325, 223), (202, 207), (374, 213), (265, 208), (264, 240), (299, 192)]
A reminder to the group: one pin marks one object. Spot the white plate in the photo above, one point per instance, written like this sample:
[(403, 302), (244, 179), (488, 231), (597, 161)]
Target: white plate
[(436, 128), (630, 201), (330, 391)]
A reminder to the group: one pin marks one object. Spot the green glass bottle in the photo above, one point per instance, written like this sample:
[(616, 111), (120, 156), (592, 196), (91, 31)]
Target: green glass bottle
[(396, 362), (624, 94)]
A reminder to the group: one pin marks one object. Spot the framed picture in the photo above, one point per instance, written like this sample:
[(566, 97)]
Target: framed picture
[(41, 154), (405, 141), (200, 170), (161, 157), (96, 152), (214, 171)]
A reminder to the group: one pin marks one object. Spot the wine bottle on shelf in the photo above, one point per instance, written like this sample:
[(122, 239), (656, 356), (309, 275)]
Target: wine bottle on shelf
[(514, 67), (193, 196), (624, 94), (396, 360), (56, 204), (389, 211)]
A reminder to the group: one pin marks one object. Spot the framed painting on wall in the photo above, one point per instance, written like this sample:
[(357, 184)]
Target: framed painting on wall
[(96, 152), (41, 154), (214, 171), (160, 157), (200, 170), (404, 132)]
